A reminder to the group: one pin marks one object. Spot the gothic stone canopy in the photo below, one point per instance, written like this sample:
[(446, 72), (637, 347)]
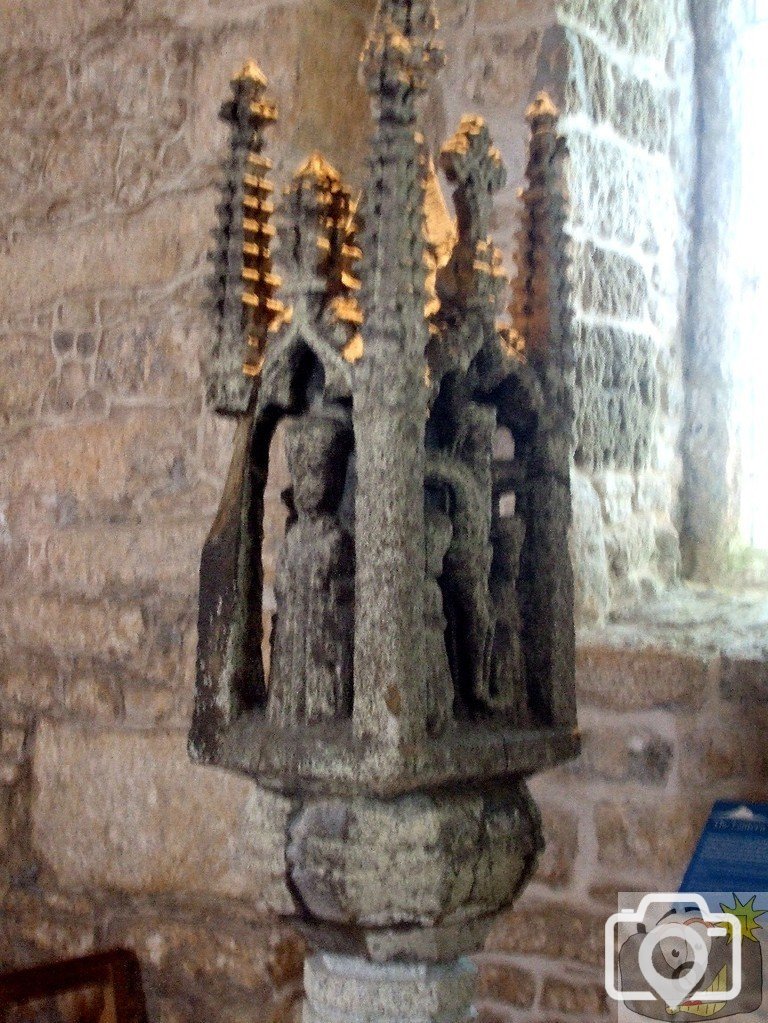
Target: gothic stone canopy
[(423, 635)]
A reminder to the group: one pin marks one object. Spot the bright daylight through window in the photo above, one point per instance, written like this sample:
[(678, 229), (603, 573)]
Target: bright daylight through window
[(751, 364)]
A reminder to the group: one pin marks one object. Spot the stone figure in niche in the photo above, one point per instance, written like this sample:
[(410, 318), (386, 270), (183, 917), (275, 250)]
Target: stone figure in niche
[(507, 679), (465, 579), (464, 354), (311, 667), (439, 684)]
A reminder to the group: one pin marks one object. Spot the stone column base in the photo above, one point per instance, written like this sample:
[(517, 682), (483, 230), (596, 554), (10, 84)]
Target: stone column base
[(347, 989)]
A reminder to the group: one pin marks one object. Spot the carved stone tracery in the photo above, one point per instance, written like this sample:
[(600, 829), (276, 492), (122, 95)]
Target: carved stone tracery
[(423, 635), (311, 666), (396, 380)]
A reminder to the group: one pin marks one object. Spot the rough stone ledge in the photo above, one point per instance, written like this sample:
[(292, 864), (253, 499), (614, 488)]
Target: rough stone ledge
[(677, 650), (328, 760), (689, 619)]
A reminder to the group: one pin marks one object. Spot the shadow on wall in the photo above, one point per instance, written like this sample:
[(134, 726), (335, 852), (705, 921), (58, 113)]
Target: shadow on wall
[(332, 112)]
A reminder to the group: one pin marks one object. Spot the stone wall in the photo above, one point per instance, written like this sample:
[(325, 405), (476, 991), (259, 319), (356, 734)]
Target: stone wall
[(112, 469), (629, 102), (672, 702)]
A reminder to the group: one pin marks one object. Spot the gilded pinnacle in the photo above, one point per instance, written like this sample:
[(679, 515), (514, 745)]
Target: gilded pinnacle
[(541, 111), (250, 71), (401, 48), (440, 231), (317, 167)]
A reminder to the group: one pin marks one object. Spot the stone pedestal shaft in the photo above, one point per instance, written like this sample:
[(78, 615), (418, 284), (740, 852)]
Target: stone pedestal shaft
[(346, 989)]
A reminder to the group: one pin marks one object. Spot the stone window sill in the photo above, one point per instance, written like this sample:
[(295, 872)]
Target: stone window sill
[(666, 651)]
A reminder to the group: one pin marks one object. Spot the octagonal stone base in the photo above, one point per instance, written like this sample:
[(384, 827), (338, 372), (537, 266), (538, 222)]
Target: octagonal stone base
[(416, 878)]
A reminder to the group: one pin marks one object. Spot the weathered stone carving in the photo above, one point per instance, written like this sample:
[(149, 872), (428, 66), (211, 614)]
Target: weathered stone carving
[(430, 445), (423, 637), (243, 284), (311, 668)]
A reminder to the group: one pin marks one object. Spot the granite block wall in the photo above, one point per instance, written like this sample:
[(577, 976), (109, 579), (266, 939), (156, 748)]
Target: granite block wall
[(630, 102)]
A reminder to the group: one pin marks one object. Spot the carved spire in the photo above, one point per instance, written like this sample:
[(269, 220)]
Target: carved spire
[(541, 307), (341, 272), (309, 199), (243, 283), (401, 52), (319, 234), (398, 59), (264, 313), (474, 166), (389, 390)]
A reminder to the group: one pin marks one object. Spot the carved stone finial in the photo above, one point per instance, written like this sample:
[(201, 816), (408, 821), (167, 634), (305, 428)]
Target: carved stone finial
[(476, 277), (243, 283), (472, 163), (454, 624), (319, 232), (401, 51), (541, 306)]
